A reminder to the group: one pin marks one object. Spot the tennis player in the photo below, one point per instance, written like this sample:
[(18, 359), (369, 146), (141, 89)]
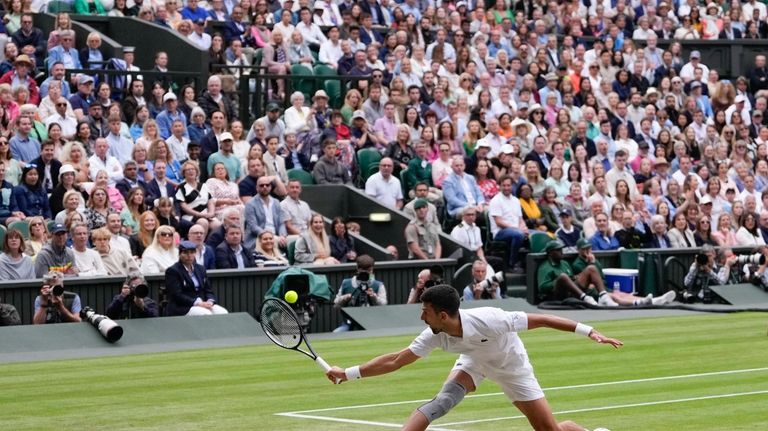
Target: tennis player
[(489, 346)]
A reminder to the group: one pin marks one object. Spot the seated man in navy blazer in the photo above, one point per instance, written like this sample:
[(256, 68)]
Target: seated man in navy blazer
[(159, 187), (231, 253), (47, 166), (189, 292)]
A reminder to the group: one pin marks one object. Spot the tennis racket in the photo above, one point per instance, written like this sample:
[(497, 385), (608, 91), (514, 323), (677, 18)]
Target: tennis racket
[(281, 324)]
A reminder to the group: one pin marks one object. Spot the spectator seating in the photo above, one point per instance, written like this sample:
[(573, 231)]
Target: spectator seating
[(368, 163), (304, 177), (22, 226)]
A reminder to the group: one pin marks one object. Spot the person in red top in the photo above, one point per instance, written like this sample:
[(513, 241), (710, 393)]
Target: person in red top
[(20, 74)]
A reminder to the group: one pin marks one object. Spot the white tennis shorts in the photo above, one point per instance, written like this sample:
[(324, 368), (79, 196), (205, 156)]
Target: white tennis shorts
[(518, 386)]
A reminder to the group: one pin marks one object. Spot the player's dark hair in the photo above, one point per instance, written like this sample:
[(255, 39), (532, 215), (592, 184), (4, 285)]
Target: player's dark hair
[(442, 298)]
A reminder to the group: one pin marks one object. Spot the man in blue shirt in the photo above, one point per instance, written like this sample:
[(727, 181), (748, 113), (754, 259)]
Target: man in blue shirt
[(193, 13), (603, 239), (83, 99), (23, 147), (170, 114)]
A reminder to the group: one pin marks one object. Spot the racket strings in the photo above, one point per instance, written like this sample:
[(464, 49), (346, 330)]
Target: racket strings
[(281, 325)]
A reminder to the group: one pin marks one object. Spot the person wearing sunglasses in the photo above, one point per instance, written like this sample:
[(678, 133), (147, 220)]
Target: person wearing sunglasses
[(161, 253)]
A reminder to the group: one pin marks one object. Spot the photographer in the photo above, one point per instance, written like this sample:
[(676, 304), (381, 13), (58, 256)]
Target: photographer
[(704, 272), (132, 302), (54, 305), (362, 290), (423, 282), (484, 285)]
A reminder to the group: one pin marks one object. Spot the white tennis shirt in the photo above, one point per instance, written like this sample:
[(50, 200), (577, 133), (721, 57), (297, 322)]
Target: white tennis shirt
[(489, 338)]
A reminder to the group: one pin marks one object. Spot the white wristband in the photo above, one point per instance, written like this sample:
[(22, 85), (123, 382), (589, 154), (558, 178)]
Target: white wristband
[(583, 329), (353, 373)]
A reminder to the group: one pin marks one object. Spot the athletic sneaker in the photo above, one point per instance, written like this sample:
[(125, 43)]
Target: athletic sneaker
[(648, 300), (606, 301), (589, 300), (665, 298)]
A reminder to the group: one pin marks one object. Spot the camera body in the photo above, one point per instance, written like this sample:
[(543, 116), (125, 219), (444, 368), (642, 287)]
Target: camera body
[(139, 291), (488, 283), (702, 259), (56, 289), (360, 296)]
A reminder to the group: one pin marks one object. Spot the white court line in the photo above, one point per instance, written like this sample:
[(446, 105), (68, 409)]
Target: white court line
[(353, 421), (555, 388), (622, 406)]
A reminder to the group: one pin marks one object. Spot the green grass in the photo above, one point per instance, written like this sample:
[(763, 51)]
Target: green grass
[(243, 388)]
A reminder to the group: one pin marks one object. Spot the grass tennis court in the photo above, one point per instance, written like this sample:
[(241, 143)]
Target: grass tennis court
[(706, 372)]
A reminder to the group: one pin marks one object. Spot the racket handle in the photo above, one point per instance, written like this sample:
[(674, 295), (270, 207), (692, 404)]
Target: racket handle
[(322, 364)]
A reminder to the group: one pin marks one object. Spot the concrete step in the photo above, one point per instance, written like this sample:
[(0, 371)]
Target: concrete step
[(516, 291)]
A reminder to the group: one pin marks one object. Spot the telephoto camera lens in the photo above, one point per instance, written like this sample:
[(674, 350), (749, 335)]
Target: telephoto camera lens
[(110, 330), (756, 259), (58, 290), (140, 291)]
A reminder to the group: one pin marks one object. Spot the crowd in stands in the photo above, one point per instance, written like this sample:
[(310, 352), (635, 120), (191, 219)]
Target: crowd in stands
[(565, 118)]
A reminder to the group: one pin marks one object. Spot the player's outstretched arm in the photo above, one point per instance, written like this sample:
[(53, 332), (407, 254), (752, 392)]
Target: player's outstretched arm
[(568, 325), (380, 365)]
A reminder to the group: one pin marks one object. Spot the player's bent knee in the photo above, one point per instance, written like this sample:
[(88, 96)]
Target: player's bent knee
[(449, 396)]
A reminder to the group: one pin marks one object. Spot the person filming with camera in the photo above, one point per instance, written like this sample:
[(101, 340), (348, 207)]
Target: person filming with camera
[(133, 301), (362, 290), (54, 305), (705, 272), (483, 285)]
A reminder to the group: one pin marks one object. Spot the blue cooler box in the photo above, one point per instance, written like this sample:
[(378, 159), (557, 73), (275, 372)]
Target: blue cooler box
[(622, 279)]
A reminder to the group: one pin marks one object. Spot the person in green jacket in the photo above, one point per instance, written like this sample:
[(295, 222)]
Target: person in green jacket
[(586, 260), (557, 279), (89, 7)]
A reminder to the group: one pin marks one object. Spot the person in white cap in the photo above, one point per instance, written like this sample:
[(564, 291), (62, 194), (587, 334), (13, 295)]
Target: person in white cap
[(167, 116), (738, 108), (687, 72), (225, 156)]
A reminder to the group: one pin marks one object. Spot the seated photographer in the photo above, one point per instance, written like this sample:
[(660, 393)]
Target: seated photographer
[(705, 272), (9, 316), (132, 302), (54, 305), (423, 282), (484, 285), (362, 290)]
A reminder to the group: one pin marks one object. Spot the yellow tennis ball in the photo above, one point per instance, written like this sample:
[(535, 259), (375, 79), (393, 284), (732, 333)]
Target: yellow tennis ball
[(291, 296)]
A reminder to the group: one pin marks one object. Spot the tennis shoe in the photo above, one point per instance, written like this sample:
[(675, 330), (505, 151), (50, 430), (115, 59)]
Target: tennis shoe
[(606, 301), (648, 300), (665, 298), (589, 300)]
